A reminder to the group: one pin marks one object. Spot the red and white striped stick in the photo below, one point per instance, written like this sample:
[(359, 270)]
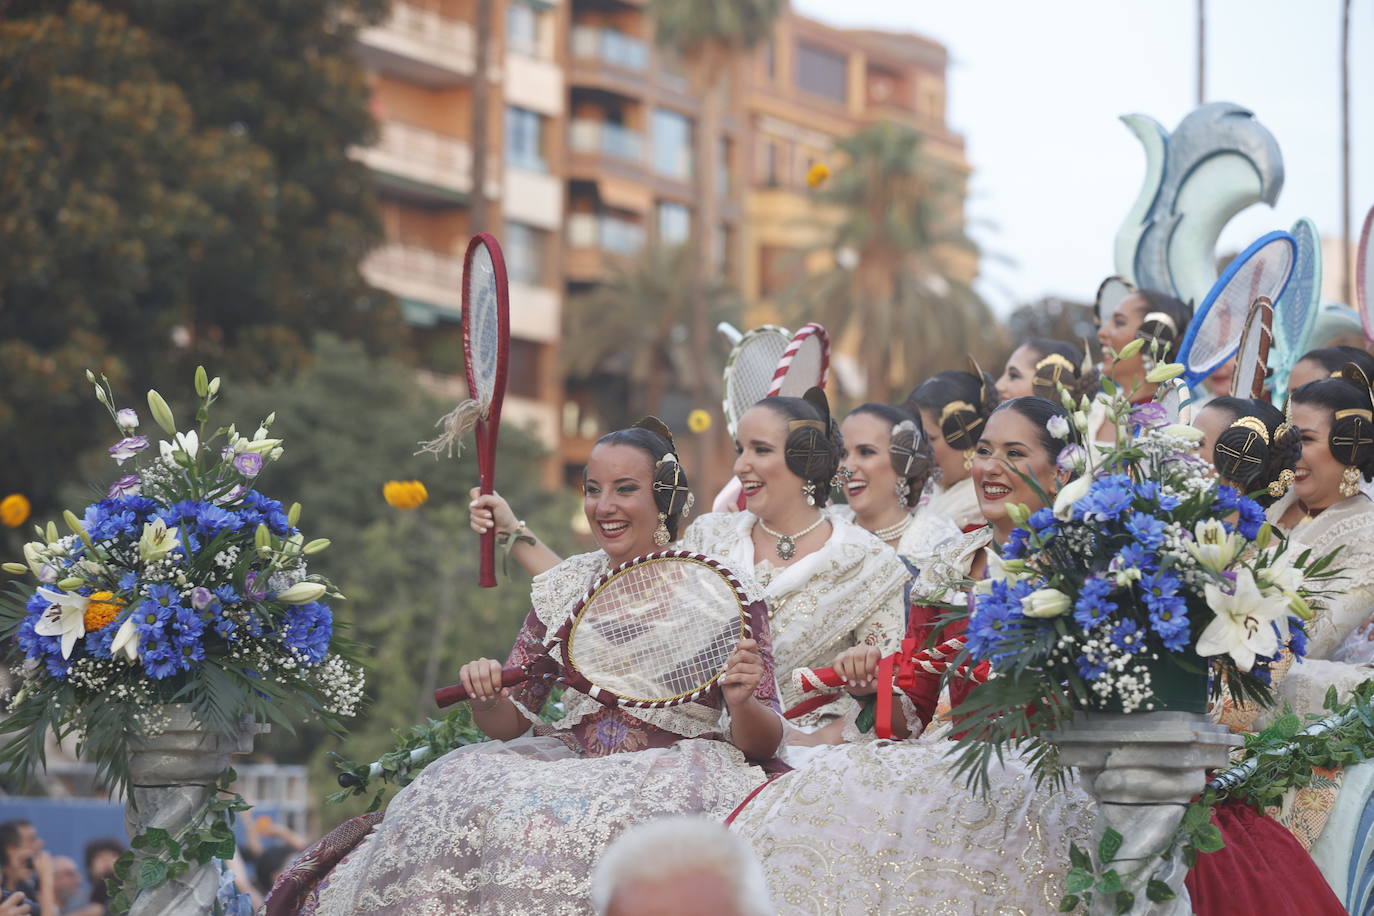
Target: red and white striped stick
[(810, 335)]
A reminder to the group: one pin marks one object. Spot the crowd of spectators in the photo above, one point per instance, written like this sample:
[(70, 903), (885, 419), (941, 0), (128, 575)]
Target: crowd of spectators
[(34, 882)]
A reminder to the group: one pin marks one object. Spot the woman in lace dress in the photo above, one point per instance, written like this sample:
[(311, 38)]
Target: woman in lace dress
[(829, 583), (516, 824), (879, 826), (952, 407), (885, 461)]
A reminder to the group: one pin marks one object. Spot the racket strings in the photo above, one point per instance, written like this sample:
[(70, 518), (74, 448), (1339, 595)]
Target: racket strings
[(486, 334), (751, 372), (1262, 274), (1290, 313), (656, 634)]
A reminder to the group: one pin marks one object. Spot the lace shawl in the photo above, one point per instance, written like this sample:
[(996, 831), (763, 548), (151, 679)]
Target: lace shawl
[(959, 504), (918, 544), (850, 591)]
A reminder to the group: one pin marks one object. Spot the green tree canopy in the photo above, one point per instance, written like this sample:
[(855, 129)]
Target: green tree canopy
[(174, 188)]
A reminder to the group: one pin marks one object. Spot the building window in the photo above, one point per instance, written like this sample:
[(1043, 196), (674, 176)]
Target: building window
[(672, 141), (723, 157), (822, 72), (674, 223), (522, 378), (524, 248), (772, 164), (525, 139), (522, 29)]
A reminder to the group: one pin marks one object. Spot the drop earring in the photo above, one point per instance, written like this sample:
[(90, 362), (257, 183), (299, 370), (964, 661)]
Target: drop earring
[(810, 490), (1350, 481), (1280, 486), (968, 459), (900, 489), (661, 535)]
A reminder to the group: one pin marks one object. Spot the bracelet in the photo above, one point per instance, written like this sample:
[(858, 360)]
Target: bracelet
[(509, 539)]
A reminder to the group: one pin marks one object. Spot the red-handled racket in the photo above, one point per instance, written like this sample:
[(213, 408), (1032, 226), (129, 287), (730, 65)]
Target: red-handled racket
[(486, 355), (655, 631)]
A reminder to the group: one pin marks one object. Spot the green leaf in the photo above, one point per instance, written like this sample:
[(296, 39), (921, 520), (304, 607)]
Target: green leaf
[(1157, 891), (1108, 846), (1124, 901), (1078, 858), (1069, 903), (1208, 839), (150, 873), (1110, 882), (1078, 880)]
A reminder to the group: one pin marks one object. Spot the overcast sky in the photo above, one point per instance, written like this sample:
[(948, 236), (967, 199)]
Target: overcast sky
[(1036, 89)]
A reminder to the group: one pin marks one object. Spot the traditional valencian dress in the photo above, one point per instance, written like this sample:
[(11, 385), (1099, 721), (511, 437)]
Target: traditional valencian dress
[(958, 504), (517, 826), (879, 826), (920, 541), (1263, 868), (849, 592)]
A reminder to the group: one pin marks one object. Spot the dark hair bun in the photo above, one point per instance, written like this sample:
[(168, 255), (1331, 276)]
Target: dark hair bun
[(912, 458), (811, 450), (1241, 453)]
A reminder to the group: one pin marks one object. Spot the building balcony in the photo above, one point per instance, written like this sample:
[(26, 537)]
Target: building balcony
[(410, 272), (592, 237), (421, 47), (421, 164), (607, 46), (602, 138)]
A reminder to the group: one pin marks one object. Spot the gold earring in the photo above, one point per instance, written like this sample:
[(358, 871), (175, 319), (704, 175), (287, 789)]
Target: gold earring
[(1350, 481), (661, 535), (968, 459), (1280, 486)]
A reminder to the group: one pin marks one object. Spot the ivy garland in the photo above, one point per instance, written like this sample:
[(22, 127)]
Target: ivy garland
[(1273, 761)]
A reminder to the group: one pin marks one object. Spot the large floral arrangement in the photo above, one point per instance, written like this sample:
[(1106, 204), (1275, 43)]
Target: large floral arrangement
[(1146, 575), (184, 584)]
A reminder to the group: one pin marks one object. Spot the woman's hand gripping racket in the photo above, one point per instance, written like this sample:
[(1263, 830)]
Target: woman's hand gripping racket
[(654, 632), (486, 359)]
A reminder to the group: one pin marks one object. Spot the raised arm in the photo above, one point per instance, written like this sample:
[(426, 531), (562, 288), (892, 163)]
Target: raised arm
[(531, 553)]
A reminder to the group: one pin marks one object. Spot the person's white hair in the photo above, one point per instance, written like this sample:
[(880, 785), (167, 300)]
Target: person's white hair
[(669, 846)]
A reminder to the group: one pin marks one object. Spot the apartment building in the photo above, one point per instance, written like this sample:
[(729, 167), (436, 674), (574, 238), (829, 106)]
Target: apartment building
[(591, 132), (422, 64)]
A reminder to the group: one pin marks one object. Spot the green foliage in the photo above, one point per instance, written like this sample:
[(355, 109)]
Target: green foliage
[(687, 26), (172, 166)]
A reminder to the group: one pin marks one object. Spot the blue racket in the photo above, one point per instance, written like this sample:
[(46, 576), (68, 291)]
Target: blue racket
[(1213, 336), (1295, 313)]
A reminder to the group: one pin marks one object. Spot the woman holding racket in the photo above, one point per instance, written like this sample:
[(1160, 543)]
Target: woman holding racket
[(516, 824), (885, 461), (883, 826), (953, 407), (829, 583)]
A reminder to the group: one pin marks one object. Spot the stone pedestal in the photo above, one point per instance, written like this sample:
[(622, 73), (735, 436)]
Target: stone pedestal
[(1143, 769), (171, 776)]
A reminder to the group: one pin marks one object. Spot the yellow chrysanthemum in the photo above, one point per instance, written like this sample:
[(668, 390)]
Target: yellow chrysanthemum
[(817, 174), (14, 510), (698, 421), (405, 494), (102, 611)]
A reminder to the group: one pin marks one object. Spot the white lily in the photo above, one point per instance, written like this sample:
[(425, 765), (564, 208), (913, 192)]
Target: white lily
[(1045, 602), (126, 640), (1242, 627), (187, 443), (1281, 575), (65, 617), (1183, 431), (1214, 547), (1072, 492), (157, 541), (301, 593), (999, 570)]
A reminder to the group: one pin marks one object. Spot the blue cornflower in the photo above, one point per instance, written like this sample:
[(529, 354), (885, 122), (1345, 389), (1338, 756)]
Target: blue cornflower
[(1108, 498), (213, 520), (1126, 635), (308, 628), (1090, 667), (159, 659), (1160, 591), (226, 594), (1017, 542), (1151, 492), (151, 618), (1134, 556), (57, 666), (1227, 499), (1297, 637), (1092, 605), (128, 582), (1173, 627), (1261, 672), (1251, 518), (1041, 519), (1147, 530), (164, 595), (225, 626)]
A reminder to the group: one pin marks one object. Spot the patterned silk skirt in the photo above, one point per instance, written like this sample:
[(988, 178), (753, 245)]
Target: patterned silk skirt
[(884, 827), (516, 827)]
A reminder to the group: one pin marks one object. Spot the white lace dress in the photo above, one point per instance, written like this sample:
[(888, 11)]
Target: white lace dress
[(515, 827), (919, 543), (879, 826)]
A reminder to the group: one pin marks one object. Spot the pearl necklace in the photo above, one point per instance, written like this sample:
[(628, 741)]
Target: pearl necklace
[(787, 543), (895, 531)]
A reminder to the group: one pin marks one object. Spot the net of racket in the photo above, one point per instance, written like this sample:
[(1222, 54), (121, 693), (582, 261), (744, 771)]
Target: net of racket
[(654, 632), (804, 365), (1109, 295), (1364, 276), (1213, 335), (1295, 312), (486, 351), (1252, 359), (749, 370)]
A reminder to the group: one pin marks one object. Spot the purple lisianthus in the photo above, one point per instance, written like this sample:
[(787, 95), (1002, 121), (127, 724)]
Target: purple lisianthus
[(1151, 413), (1071, 457), (127, 485), (201, 598), (249, 464), (127, 448), (127, 419), (251, 590)]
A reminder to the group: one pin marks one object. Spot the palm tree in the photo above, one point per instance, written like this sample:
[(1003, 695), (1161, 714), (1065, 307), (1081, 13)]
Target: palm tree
[(897, 230), (713, 38), (635, 325)]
